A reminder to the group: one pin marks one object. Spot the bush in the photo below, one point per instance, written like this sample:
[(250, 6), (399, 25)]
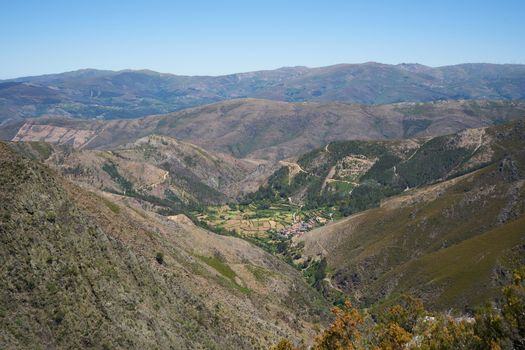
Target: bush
[(409, 326)]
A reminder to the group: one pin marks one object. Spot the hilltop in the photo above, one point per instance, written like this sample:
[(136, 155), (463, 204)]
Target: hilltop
[(159, 169), (356, 175)]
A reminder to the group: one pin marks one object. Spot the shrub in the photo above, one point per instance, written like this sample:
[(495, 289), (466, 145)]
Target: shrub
[(344, 332), (409, 326)]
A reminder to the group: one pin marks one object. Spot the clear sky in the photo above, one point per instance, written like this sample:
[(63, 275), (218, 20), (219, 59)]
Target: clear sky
[(218, 37)]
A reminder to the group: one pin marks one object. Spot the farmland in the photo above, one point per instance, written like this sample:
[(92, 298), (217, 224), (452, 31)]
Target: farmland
[(259, 220)]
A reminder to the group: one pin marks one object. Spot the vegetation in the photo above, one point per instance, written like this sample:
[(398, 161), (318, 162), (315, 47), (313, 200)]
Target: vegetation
[(78, 274), (369, 178), (352, 176), (169, 205), (451, 243), (257, 219), (112, 206), (113, 172), (433, 161), (499, 325)]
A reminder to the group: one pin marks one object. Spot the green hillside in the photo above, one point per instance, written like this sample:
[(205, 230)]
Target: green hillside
[(451, 243), (352, 176)]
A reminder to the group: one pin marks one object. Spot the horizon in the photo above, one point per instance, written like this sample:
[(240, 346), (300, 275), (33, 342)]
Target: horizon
[(205, 38), (256, 70)]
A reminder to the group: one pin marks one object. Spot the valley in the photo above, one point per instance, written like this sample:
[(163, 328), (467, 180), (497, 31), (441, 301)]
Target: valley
[(298, 208), (267, 225), (394, 189), (253, 217), (262, 175), (134, 272)]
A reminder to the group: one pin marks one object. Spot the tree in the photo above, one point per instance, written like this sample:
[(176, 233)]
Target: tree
[(406, 314), (409, 326), (320, 272), (447, 333), (504, 327), (489, 326)]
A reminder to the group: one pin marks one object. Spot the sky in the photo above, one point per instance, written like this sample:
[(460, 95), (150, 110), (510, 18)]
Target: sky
[(219, 37)]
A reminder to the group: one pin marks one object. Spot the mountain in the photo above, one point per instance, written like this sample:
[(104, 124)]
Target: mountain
[(90, 269), (451, 237), (130, 94), (271, 130)]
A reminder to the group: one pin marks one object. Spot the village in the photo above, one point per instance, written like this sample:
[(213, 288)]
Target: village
[(299, 227)]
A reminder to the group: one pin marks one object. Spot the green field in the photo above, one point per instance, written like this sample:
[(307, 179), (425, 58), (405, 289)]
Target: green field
[(256, 221)]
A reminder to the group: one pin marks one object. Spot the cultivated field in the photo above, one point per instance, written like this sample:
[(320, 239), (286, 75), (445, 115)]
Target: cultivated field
[(256, 221)]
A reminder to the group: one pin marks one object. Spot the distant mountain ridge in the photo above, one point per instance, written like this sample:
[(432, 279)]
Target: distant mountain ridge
[(90, 93), (273, 130)]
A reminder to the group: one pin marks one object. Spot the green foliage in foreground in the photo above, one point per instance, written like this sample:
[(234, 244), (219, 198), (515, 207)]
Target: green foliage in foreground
[(408, 325)]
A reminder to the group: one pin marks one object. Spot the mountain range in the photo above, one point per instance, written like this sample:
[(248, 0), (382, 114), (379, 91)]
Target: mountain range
[(92, 93)]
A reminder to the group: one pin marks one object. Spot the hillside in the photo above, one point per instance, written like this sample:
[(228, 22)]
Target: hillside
[(155, 167), (87, 269), (451, 243), (130, 94), (355, 175), (270, 130)]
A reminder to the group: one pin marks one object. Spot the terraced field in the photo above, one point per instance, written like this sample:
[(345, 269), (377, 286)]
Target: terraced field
[(257, 221)]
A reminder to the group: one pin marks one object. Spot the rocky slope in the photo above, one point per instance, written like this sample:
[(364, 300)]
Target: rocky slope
[(86, 269), (263, 129)]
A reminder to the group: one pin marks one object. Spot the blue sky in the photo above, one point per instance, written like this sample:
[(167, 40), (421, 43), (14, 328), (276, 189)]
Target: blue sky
[(219, 37)]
